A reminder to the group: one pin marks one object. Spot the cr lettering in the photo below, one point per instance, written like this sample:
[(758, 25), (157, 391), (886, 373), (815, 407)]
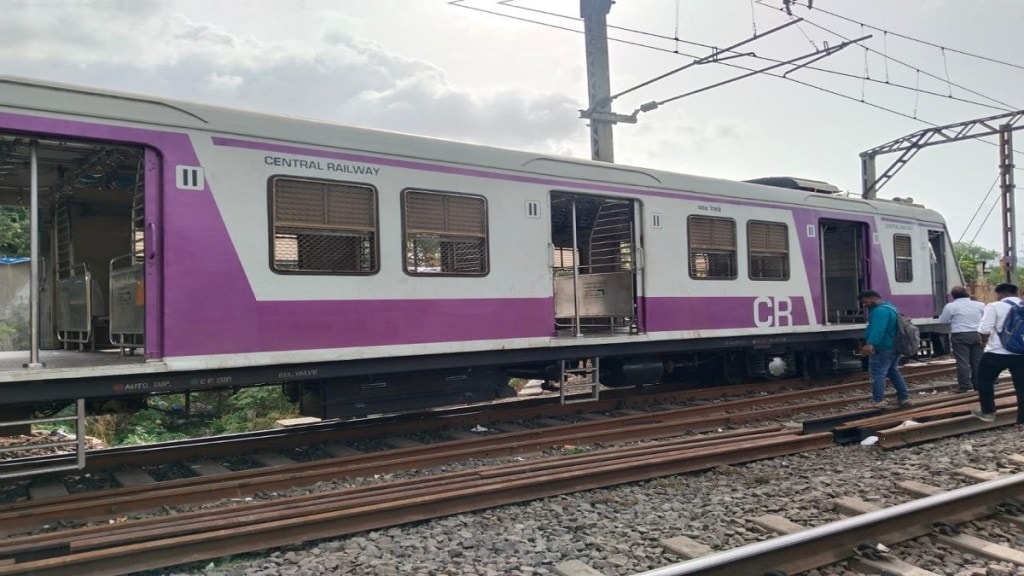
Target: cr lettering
[(773, 311)]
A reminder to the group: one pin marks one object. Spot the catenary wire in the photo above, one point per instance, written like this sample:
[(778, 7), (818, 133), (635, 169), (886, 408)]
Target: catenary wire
[(461, 4), (898, 61), (918, 40), (976, 212), (917, 89)]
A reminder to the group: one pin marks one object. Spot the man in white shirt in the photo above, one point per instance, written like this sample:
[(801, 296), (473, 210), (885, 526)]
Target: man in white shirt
[(996, 358), (964, 316)]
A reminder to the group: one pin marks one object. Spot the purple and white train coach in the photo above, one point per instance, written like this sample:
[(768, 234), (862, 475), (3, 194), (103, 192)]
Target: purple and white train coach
[(188, 247)]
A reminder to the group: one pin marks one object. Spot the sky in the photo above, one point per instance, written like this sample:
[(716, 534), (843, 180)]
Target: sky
[(514, 75)]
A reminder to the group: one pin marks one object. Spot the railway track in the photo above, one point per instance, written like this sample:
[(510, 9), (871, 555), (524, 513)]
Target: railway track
[(234, 529), (460, 418), (637, 426), (869, 538)]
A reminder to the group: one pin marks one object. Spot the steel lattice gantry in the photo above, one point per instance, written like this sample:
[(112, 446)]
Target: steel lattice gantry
[(908, 146)]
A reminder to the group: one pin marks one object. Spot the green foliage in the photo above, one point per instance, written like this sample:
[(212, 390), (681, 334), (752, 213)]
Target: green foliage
[(14, 333), (210, 413), (254, 409), (968, 255), (15, 237), (145, 427)]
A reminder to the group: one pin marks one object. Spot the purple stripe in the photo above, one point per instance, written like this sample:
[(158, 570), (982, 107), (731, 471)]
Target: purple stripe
[(718, 313), (247, 326), (169, 255)]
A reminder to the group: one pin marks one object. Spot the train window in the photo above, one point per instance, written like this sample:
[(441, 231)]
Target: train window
[(445, 233), (712, 248), (902, 247), (323, 227), (768, 250)]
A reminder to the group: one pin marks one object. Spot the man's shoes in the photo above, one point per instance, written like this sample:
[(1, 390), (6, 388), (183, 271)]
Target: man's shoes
[(977, 413), (881, 404), (906, 403), (960, 390)]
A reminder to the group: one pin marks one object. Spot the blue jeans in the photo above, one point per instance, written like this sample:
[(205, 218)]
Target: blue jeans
[(886, 363)]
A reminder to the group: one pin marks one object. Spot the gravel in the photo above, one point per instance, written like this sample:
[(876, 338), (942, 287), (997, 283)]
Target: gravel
[(617, 530)]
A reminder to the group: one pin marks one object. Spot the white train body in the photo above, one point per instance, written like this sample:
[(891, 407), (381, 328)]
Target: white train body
[(324, 254)]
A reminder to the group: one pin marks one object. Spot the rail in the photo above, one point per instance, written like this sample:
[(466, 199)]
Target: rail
[(55, 464)]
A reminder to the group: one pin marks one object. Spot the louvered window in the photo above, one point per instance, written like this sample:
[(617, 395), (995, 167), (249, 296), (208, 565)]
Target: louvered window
[(902, 247), (712, 248), (768, 250), (323, 227), (445, 233)]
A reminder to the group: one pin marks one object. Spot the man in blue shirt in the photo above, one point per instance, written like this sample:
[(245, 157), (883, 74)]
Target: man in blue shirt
[(963, 316), (880, 349)]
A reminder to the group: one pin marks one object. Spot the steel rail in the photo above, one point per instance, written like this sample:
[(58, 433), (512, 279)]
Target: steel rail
[(27, 545), (830, 543), (22, 516), (231, 445), (491, 487)]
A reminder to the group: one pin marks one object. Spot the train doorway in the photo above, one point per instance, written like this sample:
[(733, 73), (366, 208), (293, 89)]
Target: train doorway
[(91, 228), (937, 252), (845, 269), (594, 264)]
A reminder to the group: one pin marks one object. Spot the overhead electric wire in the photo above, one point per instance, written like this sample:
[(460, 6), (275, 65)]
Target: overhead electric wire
[(964, 88), (461, 4), (508, 3), (919, 41), (976, 212), (982, 225), (712, 58)]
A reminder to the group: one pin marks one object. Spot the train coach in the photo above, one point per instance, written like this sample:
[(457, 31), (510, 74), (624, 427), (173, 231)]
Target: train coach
[(186, 247)]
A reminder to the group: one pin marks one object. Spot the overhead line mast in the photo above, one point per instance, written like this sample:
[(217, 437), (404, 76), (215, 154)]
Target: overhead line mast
[(1002, 125), (595, 27)]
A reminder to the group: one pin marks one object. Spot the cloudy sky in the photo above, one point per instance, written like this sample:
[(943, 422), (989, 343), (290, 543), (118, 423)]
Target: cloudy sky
[(517, 78)]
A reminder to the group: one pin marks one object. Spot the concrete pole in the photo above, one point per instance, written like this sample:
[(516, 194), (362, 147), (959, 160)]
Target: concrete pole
[(595, 27), (1006, 186)]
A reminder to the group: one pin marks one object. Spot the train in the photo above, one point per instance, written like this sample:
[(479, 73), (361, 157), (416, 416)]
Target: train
[(185, 247)]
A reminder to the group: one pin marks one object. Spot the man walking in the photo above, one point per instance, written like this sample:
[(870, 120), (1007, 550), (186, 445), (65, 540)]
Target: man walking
[(964, 316), (880, 348), (996, 358)]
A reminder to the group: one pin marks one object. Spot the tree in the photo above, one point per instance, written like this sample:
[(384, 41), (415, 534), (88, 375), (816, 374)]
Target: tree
[(14, 231), (968, 255)]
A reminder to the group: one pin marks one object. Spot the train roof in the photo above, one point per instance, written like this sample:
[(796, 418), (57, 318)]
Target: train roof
[(54, 98)]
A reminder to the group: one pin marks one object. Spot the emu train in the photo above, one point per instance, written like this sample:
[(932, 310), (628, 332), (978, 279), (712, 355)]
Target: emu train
[(186, 247)]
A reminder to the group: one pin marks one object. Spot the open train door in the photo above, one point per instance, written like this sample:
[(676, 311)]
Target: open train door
[(845, 269), (937, 244), (87, 204), (594, 246)]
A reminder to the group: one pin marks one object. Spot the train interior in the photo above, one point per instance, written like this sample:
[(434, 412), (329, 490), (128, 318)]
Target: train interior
[(89, 263), (844, 259), (593, 243)]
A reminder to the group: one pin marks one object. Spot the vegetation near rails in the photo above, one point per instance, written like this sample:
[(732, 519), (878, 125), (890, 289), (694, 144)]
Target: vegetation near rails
[(207, 414)]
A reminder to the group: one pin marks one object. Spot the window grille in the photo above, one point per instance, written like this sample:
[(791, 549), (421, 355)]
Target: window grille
[(768, 250), (903, 249), (445, 233), (712, 248), (323, 227)]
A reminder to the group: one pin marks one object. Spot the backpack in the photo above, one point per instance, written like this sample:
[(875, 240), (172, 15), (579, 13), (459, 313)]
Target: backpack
[(1011, 335), (908, 337)]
